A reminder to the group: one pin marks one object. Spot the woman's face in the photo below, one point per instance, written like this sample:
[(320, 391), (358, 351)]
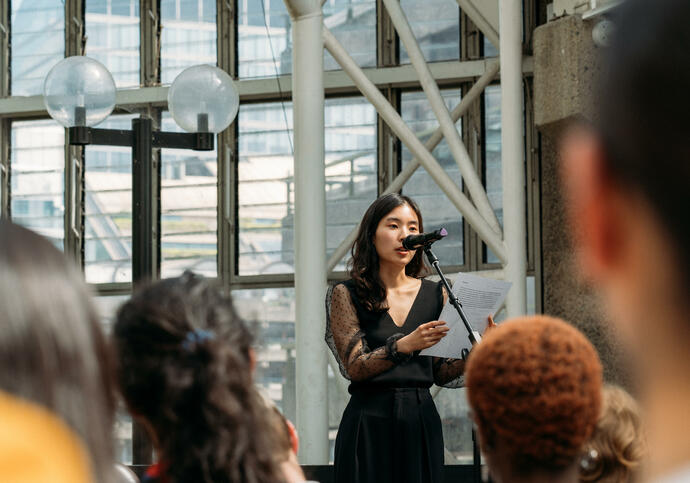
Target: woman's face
[(391, 230)]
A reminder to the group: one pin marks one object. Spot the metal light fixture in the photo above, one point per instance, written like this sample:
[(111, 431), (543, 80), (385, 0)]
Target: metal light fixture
[(79, 93), (203, 98)]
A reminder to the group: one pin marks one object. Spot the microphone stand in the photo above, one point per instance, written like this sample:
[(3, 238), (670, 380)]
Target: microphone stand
[(472, 334), (474, 337)]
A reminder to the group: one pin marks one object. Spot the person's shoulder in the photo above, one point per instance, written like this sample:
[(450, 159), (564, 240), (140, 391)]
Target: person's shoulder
[(348, 284), (343, 288), (436, 287), (432, 284)]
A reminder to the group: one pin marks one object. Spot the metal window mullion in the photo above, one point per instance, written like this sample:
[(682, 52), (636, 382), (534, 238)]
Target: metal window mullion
[(470, 49), (74, 202), (534, 265), (5, 54), (470, 38), (472, 136), (74, 155), (387, 45), (149, 45), (226, 37), (5, 146), (5, 123), (482, 248), (157, 157), (388, 146), (228, 233), (74, 27)]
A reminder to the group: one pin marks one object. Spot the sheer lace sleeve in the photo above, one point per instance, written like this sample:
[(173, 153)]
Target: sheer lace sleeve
[(448, 372), (346, 339)]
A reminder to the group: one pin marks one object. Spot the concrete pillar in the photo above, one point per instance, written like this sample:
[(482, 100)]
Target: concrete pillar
[(566, 62)]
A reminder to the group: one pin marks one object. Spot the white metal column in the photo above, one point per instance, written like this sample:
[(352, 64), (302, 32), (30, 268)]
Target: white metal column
[(513, 155), (310, 230)]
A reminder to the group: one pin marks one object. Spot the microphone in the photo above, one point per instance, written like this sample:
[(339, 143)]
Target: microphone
[(412, 242)]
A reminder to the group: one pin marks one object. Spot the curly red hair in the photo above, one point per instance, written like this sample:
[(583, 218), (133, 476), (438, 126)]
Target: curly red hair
[(535, 384)]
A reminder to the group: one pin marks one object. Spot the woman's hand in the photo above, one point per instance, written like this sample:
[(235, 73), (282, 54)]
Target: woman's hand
[(491, 325), (423, 337)]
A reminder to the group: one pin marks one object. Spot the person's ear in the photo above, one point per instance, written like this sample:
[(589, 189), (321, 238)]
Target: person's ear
[(593, 204)]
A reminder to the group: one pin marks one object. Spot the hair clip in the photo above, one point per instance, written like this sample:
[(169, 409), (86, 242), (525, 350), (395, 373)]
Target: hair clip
[(589, 460), (195, 337)]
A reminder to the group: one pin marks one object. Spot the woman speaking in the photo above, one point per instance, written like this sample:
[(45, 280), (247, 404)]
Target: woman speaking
[(378, 321)]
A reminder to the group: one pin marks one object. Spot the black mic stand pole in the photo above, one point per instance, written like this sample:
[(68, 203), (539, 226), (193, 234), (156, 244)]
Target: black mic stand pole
[(472, 334), (474, 337)]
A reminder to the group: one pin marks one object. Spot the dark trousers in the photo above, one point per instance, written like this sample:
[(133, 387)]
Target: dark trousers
[(390, 435)]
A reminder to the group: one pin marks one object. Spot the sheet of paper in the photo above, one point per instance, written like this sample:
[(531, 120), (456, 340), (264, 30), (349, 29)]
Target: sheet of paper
[(479, 297)]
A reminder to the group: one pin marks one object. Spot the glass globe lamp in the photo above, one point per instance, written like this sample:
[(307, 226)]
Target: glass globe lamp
[(203, 98), (79, 91)]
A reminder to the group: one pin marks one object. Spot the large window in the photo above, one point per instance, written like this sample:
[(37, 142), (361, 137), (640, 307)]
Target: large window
[(492, 157), (108, 209), (189, 209), (112, 38), (37, 168), (38, 43), (271, 312), (188, 37), (265, 42), (437, 211), (265, 191), (353, 23), (436, 26), (266, 170), (107, 307)]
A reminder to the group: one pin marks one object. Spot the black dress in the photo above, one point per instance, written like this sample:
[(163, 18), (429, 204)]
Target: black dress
[(390, 430)]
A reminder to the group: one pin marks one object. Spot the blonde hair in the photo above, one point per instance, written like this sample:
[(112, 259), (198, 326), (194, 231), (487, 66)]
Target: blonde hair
[(617, 447)]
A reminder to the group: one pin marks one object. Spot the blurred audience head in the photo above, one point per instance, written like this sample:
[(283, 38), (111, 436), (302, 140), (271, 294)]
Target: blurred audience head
[(617, 447), (52, 350), (36, 446), (627, 184), (627, 175), (185, 370), (534, 387)]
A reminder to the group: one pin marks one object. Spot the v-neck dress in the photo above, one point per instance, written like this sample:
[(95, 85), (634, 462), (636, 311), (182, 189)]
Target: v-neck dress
[(390, 430)]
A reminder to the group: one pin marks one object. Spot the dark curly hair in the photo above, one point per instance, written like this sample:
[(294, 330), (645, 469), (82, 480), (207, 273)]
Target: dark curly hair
[(184, 366), (364, 264), (534, 383)]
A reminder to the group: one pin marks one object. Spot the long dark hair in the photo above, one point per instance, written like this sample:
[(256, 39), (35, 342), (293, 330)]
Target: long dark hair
[(52, 349), (184, 366), (364, 264)]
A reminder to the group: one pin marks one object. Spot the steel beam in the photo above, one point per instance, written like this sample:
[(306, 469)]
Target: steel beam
[(450, 132), (407, 172), (335, 82), (403, 132)]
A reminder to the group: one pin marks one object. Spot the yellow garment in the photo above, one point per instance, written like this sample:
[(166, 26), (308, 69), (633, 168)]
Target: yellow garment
[(36, 446)]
